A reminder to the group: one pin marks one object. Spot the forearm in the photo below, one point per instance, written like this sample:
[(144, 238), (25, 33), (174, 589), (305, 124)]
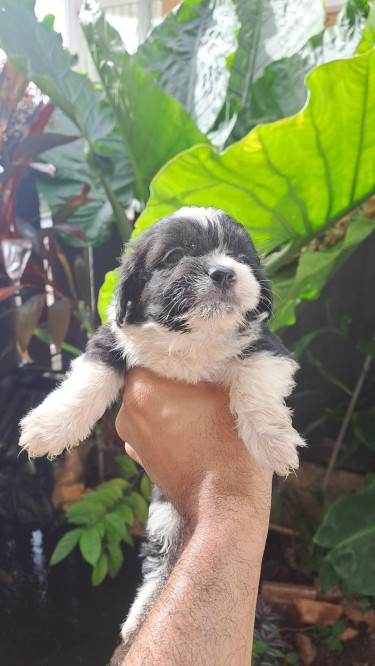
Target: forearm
[(205, 613)]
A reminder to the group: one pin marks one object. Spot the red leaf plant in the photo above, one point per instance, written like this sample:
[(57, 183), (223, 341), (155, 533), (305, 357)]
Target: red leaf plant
[(24, 116)]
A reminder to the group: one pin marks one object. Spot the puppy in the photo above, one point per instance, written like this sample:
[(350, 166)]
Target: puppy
[(192, 304)]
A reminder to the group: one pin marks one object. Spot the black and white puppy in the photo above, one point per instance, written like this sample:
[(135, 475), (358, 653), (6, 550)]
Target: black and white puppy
[(192, 304)]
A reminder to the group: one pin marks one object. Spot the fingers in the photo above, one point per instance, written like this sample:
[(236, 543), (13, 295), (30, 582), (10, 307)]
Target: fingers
[(132, 453), (125, 431), (120, 423)]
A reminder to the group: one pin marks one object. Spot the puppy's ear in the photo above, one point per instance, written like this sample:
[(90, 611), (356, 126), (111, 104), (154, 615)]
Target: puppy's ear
[(265, 304), (266, 298), (129, 285)]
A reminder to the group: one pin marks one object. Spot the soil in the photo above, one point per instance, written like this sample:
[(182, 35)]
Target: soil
[(359, 651)]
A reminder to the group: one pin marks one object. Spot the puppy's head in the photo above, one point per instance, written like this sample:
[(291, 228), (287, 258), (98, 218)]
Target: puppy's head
[(197, 268)]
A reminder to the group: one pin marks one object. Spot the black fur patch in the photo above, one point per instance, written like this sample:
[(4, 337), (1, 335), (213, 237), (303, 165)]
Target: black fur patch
[(151, 289), (101, 348), (267, 342)]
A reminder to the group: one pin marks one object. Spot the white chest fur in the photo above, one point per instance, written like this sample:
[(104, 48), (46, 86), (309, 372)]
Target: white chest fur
[(190, 357)]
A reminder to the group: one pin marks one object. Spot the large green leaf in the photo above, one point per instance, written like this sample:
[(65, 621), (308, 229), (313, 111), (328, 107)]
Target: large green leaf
[(187, 54), (267, 83), (269, 31), (348, 530), (290, 180), (153, 126)]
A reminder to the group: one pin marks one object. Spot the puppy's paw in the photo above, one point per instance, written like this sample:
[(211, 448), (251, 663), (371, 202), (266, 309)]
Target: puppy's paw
[(42, 434), (284, 451), (276, 449)]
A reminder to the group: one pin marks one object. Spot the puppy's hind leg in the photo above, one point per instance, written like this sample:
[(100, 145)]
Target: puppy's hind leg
[(67, 415), (159, 553)]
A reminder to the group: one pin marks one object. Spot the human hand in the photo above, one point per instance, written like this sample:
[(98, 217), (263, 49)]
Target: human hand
[(185, 438)]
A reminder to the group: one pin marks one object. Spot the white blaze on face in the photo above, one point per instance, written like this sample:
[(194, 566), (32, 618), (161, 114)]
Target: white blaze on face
[(247, 288), (206, 217)]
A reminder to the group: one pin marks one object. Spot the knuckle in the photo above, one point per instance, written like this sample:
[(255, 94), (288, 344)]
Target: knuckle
[(135, 399)]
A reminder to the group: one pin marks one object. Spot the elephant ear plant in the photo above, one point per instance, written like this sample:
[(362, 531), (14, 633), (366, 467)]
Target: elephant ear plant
[(289, 182), (347, 535)]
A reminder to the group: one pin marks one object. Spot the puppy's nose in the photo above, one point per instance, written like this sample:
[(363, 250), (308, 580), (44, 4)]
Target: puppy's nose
[(222, 276)]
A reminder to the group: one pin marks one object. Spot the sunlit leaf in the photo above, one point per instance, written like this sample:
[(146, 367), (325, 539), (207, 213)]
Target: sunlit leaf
[(106, 295), (280, 45), (290, 180)]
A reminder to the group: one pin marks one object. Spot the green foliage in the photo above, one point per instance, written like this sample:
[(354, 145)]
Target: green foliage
[(65, 546), (147, 140), (305, 280), (106, 294), (288, 182), (187, 54), (259, 647), (331, 636), (26, 42), (348, 533), (63, 191), (279, 90), (367, 347), (364, 427), (250, 95), (279, 204), (368, 36), (103, 520), (269, 649), (328, 578)]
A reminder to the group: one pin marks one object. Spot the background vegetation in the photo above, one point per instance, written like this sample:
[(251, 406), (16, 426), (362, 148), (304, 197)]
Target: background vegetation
[(204, 113)]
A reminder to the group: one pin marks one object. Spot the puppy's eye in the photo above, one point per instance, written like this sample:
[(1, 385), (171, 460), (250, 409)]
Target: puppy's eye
[(172, 258), (242, 259)]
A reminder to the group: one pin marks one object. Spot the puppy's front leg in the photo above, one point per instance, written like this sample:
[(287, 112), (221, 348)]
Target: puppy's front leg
[(67, 415), (259, 386)]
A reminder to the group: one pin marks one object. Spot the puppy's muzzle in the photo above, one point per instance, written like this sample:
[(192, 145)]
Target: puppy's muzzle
[(223, 277)]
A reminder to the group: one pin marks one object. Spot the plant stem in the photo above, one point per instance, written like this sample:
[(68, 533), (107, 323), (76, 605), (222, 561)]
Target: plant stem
[(123, 224), (293, 247), (344, 426)]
